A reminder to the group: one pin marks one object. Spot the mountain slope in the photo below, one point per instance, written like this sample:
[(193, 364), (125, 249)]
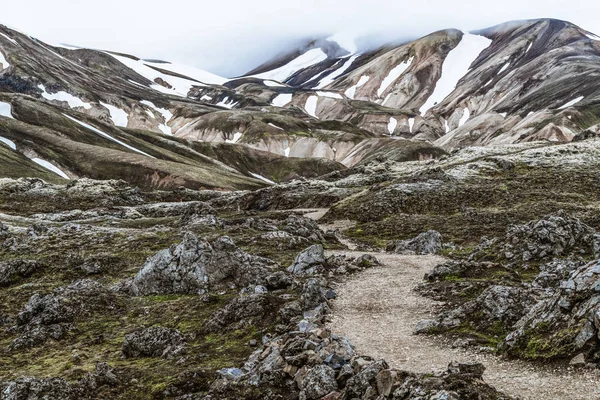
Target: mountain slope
[(516, 82)]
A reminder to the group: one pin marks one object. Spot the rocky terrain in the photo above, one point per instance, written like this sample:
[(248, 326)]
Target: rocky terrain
[(166, 233)]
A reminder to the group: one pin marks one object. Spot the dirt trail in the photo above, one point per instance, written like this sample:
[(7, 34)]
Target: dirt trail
[(378, 309)]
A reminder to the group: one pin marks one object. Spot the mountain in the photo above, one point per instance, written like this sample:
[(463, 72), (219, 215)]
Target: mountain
[(89, 113)]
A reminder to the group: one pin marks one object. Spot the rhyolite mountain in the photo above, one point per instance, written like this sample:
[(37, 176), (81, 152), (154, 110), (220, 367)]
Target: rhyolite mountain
[(67, 113)]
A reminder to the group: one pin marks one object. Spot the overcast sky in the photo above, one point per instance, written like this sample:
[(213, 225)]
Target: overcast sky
[(230, 37)]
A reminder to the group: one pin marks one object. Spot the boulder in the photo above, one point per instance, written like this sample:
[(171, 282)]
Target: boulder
[(194, 266), (49, 316), (156, 341), (12, 271), (553, 236), (318, 382), (429, 242), (307, 261)]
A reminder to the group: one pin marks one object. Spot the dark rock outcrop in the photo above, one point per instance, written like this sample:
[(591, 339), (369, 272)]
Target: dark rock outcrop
[(154, 342), (195, 265)]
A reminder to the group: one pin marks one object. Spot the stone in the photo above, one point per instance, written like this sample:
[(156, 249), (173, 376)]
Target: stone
[(425, 326), (154, 342), (473, 368), (429, 242), (319, 382), (307, 261), (385, 381), (194, 266), (578, 360)]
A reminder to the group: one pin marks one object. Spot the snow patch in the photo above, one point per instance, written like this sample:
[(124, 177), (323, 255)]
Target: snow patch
[(206, 98), (340, 71), (180, 86), (504, 67), (273, 84), (446, 126), (282, 99), (275, 126), (411, 123), (236, 137), (352, 90), (3, 63), (73, 101), (13, 41), (287, 151), (456, 65), (118, 116), (528, 47), (393, 75), (166, 114), (465, 117), (504, 114), (6, 110), (572, 102), (330, 94), (191, 72), (392, 125), (262, 178), (8, 142), (303, 61), (99, 132), (50, 167), (227, 103), (311, 106)]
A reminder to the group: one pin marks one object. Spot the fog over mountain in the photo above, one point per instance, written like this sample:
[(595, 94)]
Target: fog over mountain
[(230, 38)]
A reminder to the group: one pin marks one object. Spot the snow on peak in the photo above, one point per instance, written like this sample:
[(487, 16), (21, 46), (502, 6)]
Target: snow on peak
[(345, 40), (303, 61), (455, 66), (180, 86), (73, 101), (5, 36), (118, 116), (338, 72), (270, 83), (393, 75), (189, 71)]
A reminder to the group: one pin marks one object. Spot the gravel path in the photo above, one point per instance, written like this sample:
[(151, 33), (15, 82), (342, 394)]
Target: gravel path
[(377, 310)]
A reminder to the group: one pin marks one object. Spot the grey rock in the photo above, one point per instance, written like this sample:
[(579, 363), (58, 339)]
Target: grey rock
[(319, 381), (194, 266), (426, 326), (156, 341), (473, 368), (307, 261), (553, 236), (429, 242), (578, 360), (12, 271)]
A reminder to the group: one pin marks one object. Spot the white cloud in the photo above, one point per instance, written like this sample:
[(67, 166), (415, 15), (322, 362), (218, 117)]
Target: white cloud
[(231, 37)]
